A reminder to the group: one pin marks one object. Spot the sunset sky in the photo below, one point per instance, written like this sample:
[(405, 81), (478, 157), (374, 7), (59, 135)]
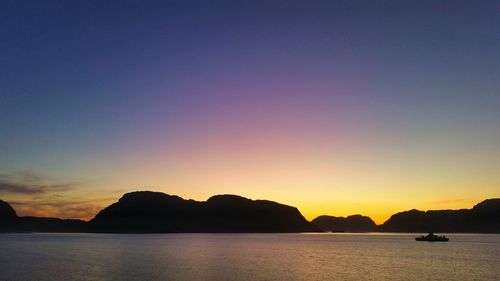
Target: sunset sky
[(335, 107)]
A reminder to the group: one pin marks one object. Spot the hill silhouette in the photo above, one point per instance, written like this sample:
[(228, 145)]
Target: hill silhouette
[(6, 211), (8, 217), (146, 211), (355, 223), (10, 222), (156, 212), (482, 218)]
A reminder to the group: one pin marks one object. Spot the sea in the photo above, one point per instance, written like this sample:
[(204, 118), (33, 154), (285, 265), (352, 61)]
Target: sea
[(234, 257)]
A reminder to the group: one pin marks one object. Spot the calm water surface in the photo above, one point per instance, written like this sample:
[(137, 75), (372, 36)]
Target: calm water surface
[(66, 257)]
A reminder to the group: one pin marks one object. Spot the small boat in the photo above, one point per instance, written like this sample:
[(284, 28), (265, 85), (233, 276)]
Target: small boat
[(432, 238)]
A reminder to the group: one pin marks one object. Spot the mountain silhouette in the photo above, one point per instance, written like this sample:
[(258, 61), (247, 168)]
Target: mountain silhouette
[(156, 212), (482, 218), (8, 217), (6, 211), (10, 222), (146, 211), (355, 223)]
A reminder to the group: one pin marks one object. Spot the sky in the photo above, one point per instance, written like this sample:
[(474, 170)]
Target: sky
[(335, 107)]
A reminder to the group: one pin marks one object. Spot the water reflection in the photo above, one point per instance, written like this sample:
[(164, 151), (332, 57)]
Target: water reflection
[(27, 257)]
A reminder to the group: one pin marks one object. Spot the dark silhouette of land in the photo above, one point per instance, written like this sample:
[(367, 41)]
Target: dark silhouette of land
[(10, 222), (159, 212), (355, 223), (7, 213), (482, 218), (155, 212)]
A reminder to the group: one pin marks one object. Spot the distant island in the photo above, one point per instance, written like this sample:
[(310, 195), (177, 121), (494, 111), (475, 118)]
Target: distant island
[(156, 212), (355, 223), (482, 218), (159, 212)]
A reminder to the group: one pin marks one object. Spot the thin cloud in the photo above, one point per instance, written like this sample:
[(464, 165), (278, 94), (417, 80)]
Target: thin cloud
[(58, 203), (25, 176), (82, 209), (30, 183), (34, 189), (34, 194)]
